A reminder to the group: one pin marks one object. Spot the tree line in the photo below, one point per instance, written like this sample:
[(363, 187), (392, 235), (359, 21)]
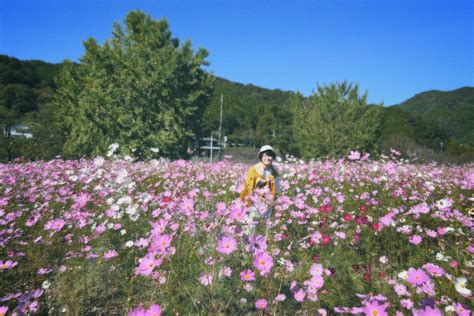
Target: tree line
[(145, 90)]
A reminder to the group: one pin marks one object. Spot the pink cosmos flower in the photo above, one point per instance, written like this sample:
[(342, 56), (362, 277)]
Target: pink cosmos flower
[(43, 271), (316, 281), (434, 270), (154, 310), (375, 309), (247, 275), (146, 266), (205, 278), (226, 245), (81, 200), (316, 269), (280, 298), (406, 303), (160, 243), (7, 264), (261, 304), (257, 243), (237, 213), (263, 262), (400, 289), (3, 310), (299, 295), (54, 224), (415, 239), (470, 248), (427, 311), (225, 272), (321, 312), (138, 311), (461, 310), (354, 155), (99, 229), (416, 276), (422, 208), (110, 254)]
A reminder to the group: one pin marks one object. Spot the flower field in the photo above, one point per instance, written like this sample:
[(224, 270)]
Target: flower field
[(349, 236)]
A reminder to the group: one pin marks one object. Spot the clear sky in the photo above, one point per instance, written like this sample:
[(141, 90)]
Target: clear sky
[(392, 49)]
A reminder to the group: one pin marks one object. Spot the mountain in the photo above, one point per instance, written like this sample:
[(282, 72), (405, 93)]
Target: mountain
[(452, 111)]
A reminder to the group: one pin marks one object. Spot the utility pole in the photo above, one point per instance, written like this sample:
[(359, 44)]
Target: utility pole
[(212, 140), (220, 123)]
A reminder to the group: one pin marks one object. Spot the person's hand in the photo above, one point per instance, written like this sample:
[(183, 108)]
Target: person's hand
[(261, 183)]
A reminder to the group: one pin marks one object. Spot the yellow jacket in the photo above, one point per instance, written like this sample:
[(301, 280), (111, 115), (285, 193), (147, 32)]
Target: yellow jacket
[(256, 177)]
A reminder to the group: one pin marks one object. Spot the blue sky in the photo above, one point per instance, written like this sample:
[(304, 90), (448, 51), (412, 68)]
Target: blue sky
[(392, 49)]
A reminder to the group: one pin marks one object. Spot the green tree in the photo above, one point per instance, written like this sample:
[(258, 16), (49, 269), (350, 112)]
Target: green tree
[(16, 100), (334, 120), (141, 89)]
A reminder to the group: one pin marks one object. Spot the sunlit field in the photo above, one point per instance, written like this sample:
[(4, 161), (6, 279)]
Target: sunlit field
[(111, 236)]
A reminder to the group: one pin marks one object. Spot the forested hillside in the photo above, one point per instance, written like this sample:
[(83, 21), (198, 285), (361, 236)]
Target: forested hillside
[(451, 110)]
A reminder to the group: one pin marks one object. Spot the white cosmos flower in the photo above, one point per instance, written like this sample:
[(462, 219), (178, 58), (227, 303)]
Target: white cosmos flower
[(403, 275), (124, 200), (112, 148), (449, 309), (129, 244), (444, 203), (460, 286), (383, 260)]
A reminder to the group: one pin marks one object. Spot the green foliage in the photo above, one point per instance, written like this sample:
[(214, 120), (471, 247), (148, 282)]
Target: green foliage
[(453, 111), (26, 92), (141, 89), (334, 120), (408, 132), (251, 115)]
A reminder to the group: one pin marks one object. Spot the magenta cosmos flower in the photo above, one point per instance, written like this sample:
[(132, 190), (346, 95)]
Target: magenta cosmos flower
[(417, 276), (154, 310), (138, 311), (247, 275), (375, 309), (263, 262), (226, 245)]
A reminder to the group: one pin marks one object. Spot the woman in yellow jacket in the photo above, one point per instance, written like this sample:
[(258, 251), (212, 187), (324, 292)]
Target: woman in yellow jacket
[(261, 175)]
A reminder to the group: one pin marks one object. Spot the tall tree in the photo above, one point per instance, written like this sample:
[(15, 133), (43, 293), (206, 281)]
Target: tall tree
[(141, 89), (334, 120)]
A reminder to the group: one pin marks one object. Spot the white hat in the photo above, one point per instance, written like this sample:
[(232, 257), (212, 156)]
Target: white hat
[(264, 149)]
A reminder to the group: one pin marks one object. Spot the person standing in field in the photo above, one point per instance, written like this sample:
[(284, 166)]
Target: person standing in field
[(259, 176)]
